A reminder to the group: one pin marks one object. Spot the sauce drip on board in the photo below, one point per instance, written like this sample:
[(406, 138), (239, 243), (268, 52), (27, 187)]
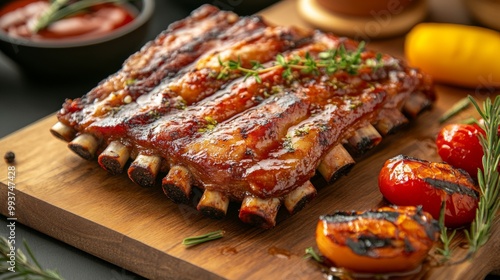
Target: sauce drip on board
[(18, 17)]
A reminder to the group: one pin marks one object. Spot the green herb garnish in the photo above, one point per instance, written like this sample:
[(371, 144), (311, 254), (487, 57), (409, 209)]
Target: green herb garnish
[(329, 61), (489, 183), (310, 253), (60, 9), (195, 240), (19, 267), (211, 123), (461, 105), (304, 130), (444, 237)]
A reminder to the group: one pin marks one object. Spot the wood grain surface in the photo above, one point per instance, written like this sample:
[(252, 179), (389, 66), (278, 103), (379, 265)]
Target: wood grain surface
[(141, 230)]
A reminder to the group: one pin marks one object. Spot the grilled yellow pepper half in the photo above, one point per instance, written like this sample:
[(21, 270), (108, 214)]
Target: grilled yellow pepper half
[(461, 55)]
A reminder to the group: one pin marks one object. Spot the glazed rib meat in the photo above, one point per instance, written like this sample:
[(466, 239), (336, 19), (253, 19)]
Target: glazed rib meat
[(176, 115)]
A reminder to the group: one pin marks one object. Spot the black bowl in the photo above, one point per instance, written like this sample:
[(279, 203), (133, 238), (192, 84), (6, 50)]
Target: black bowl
[(80, 58)]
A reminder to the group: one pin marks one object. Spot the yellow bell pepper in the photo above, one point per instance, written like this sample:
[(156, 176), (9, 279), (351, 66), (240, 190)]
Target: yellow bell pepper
[(455, 54)]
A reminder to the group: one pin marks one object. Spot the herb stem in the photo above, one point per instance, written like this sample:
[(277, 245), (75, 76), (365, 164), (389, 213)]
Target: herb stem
[(311, 253), (23, 269), (444, 237), (195, 240), (45, 18), (461, 105), (329, 61), (488, 180), (60, 9)]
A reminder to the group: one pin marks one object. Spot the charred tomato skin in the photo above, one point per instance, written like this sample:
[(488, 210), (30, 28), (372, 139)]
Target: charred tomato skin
[(385, 240), (408, 181)]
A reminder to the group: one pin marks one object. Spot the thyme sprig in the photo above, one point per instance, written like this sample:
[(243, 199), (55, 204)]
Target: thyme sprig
[(488, 180), (23, 268), (329, 61), (195, 240), (60, 9)]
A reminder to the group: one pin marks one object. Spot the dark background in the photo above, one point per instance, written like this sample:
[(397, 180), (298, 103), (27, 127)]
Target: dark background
[(24, 100)]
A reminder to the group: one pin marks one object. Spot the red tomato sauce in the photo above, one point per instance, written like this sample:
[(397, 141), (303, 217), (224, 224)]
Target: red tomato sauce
[(18, 17)]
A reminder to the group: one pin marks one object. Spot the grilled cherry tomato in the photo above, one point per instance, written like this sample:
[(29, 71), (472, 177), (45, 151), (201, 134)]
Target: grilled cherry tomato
[(458, 145), (409, 181), (386, 240)]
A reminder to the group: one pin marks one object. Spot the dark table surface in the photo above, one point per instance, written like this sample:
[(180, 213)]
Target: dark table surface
[(24, 101)]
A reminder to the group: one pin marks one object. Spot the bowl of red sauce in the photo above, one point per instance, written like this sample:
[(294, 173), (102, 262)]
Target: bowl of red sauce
[(78, 42)]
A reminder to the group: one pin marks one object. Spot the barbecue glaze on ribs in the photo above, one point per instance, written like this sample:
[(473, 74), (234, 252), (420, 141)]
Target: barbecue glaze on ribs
[(255, 141)]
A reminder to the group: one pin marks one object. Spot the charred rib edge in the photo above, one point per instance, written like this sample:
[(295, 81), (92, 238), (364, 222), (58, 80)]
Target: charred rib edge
[(114, 157), (84, 145), (144, 169)]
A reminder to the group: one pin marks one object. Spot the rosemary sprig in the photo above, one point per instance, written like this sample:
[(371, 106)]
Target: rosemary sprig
[(444, 237), (461, 105), (60, 9), (23, 268), (329, 61), (44, 19), (195, 240), (488, 181)]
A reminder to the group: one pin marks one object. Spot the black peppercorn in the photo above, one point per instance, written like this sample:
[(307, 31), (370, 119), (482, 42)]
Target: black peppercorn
[(9, 157)]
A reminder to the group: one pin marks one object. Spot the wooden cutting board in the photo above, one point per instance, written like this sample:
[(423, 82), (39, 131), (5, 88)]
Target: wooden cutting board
[(77, 202)]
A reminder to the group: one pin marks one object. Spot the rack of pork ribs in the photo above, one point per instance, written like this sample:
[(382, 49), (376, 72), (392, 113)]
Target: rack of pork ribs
[(168, 113)]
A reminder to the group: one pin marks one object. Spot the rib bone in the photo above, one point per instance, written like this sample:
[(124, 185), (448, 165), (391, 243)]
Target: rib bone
[(390, 121), (298, 198), (364, 139), (114, 157), (336, 163), (416, 103), (177, 184), (259, 212), (213, 204), (144, 169), (63, 131), (84, 145)]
